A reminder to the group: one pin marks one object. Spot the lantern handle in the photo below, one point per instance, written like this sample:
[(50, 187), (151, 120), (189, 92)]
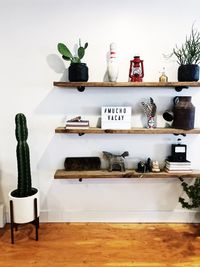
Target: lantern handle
[(130, 69), (142, 76)]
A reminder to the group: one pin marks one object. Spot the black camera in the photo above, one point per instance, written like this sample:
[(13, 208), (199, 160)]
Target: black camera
[(179, 152)]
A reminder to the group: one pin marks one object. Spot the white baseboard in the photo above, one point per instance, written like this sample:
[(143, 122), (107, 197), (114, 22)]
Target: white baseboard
[(178, 216), (2, 216)]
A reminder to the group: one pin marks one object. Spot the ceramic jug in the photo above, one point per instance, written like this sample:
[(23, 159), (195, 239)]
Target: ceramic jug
[(184, 113)]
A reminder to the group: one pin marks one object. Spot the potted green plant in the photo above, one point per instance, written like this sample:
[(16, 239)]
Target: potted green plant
[(193, 194), (23, 197), (78, 71), (188, 57)]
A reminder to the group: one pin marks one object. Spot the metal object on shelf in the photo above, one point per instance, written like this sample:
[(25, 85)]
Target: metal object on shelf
[(82, 163), (116, 162)]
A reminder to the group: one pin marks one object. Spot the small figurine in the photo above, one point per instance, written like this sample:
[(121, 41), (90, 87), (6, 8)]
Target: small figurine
[(155, 166), (141, 167), (116, 162), (148, 165), (150, 112), (145, 166)]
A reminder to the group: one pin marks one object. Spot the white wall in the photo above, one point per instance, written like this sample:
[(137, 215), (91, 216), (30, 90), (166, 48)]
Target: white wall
[(29, 63)]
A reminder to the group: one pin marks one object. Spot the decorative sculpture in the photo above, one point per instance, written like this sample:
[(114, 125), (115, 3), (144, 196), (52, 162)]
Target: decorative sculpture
[(113, 68), (116, 162), (155, 166), (141, 167), (145, 166)]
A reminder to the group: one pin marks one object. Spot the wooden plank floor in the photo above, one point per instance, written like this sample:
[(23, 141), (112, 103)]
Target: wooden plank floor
[(102, 245)]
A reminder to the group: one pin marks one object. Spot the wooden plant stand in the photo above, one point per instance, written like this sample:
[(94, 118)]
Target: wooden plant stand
[(15, 225)]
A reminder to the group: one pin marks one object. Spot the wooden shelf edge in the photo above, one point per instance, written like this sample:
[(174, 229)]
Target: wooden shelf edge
[(126, 84), (104, 174), (94, 130)]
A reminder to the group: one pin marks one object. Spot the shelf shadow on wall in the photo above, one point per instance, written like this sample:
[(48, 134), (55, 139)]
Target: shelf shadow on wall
[(58, 102), (57, 64)]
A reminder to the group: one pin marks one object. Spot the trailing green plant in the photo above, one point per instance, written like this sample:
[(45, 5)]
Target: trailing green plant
[(24, 187), (193, 193), (67, 55), (189, 52)]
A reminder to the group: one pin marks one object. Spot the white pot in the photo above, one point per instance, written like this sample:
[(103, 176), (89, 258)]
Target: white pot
[(23, 207)]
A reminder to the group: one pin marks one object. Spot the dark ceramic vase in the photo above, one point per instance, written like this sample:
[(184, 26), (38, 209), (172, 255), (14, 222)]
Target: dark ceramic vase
[(78, 72), (184, 113), (188, 73)]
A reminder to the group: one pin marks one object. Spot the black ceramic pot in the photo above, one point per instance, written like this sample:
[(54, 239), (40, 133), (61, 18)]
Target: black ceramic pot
[(188, 73), (78, 72)]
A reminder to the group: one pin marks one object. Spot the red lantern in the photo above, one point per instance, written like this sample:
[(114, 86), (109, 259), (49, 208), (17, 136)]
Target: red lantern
[(136, 71)]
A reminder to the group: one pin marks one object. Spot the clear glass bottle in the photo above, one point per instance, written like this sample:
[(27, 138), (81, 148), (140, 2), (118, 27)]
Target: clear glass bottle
[(163, 78)]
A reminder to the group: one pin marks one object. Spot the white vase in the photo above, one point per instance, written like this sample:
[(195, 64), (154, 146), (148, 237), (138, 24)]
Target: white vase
[(113, 68), (23, 207)]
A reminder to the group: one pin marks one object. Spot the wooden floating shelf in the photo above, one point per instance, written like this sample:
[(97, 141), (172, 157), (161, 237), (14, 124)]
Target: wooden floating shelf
[(126, 84), (104, 174), (131, 131)]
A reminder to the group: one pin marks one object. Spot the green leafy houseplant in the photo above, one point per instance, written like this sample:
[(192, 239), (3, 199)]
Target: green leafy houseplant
[(67, 55), (189, 52), (193, 194), (188, 57), (78, 71)]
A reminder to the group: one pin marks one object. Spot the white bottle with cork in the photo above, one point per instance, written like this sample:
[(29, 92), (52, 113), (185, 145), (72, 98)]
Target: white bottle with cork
[(113, 68)]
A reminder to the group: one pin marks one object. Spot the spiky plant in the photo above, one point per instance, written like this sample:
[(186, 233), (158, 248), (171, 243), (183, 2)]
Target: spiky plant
[(189, 52), (149, 108), (193, 193), (24, 187), (67, 55)]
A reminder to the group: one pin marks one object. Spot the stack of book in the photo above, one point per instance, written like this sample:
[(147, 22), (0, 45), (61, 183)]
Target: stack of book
[(176, 166), (77, 123)]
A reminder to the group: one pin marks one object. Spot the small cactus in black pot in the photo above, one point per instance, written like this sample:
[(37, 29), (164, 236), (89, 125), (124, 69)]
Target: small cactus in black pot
[(24, 187), (67, 55), (78, 71), (188, 57)]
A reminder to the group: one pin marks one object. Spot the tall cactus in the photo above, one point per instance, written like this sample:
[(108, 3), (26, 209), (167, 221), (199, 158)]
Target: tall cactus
[(24, 186)]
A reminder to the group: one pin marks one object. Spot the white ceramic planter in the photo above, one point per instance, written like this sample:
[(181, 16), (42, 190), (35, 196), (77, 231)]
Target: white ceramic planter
[(23, 207)]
